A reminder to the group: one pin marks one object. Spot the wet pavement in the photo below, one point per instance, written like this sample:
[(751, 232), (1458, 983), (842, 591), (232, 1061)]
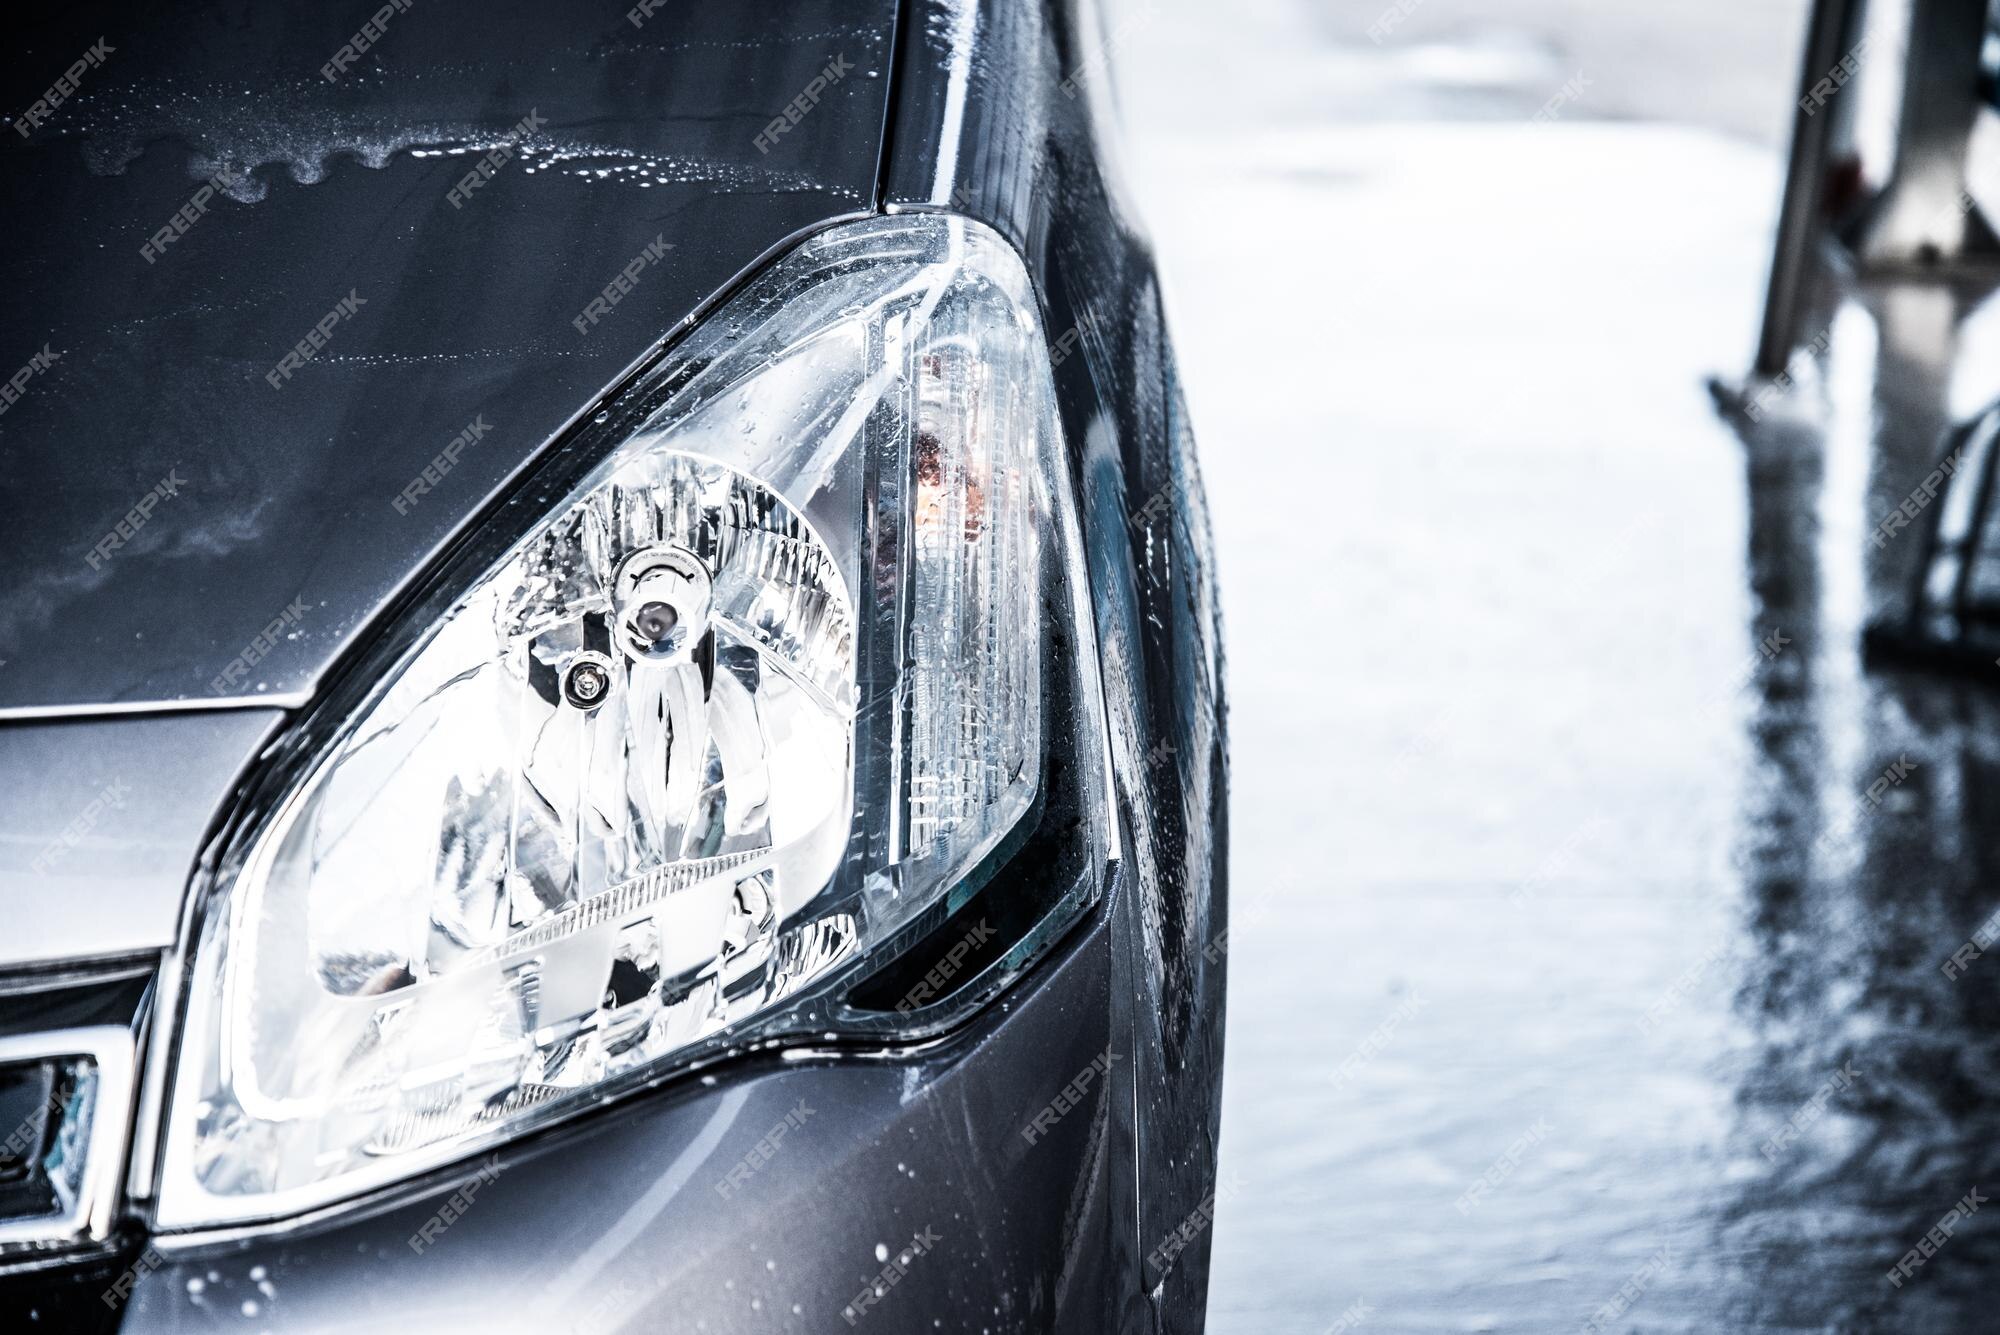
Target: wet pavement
[(1594, 905)]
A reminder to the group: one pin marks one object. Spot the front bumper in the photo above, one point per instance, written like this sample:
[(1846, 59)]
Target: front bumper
[(776, 1195)]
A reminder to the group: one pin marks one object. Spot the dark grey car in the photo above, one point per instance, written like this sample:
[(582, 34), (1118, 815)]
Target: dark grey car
[(610, 690)]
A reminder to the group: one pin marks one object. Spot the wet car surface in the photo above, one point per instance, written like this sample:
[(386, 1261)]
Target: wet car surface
[(337, 209), (1561, 891), (473, 261)]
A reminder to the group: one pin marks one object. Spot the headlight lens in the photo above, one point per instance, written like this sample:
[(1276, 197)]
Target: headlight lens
[(761, 688)]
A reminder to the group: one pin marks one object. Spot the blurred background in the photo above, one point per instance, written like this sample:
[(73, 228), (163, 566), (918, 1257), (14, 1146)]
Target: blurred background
[(1591, 896)]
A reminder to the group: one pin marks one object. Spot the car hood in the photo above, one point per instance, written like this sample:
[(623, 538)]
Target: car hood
[(188, 516)]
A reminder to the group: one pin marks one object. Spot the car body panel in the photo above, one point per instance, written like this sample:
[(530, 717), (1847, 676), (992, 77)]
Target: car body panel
[(666, 1207), (100, 823), (284, 503)]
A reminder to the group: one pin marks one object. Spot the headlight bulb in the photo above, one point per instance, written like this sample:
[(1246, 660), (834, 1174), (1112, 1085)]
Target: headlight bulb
[(662, 595)]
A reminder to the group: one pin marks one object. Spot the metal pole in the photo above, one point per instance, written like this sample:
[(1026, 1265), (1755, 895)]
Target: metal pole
[(1830, 38)]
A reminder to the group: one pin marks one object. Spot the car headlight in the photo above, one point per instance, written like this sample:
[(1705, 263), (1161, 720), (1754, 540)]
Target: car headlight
[(756, 693)]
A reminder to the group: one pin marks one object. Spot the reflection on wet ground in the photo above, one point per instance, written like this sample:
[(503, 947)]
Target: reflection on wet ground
[(1869, 838), (1595, 907)]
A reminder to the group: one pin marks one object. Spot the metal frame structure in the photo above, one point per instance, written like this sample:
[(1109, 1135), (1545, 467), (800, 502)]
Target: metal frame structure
[(1923, 227), (1923, 223)]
